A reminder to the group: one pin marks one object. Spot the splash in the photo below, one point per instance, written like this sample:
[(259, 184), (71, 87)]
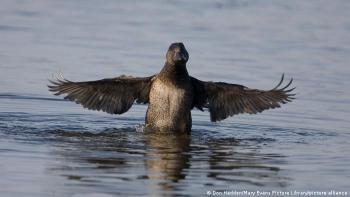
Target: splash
[(140, 128)]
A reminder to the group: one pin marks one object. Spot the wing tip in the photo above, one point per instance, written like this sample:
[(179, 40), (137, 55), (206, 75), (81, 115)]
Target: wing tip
[(279, 83), (56, 82), (284, 89)]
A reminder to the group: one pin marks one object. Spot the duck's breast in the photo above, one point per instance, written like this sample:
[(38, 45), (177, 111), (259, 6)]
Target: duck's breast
[(170, 105)]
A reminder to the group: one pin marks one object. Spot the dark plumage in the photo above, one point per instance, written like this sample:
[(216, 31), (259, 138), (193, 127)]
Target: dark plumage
[(171, 95)]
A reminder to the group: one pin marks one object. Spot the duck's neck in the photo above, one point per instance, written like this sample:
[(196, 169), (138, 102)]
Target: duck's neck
[(174, 72)]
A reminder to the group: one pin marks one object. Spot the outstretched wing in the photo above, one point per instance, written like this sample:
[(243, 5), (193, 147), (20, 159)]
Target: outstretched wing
[(224, 100), (114, 96)]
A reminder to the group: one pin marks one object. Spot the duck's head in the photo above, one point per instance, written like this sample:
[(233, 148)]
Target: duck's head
[(177, 54)]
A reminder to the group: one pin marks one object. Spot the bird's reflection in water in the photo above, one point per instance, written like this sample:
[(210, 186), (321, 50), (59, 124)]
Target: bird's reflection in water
[(166, 157), (164, 164)]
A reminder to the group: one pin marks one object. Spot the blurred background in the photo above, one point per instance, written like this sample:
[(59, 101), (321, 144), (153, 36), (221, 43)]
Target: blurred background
[(45, 143)]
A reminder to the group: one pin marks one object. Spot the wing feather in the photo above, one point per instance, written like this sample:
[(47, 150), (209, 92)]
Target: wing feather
[(114, 96), (224, 100)]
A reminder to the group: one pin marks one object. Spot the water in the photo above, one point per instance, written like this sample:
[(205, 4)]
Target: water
[(51, 147)]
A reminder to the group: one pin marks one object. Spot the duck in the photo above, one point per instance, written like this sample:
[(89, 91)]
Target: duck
[(171, 95)]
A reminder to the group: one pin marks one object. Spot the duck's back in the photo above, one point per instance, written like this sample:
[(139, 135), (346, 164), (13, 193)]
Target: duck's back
[(170, 104)]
